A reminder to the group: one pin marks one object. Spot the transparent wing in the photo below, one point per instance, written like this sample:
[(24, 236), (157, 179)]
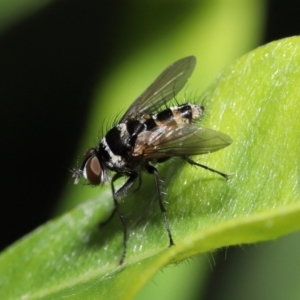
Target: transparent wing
[(180, 140), (164, 87)]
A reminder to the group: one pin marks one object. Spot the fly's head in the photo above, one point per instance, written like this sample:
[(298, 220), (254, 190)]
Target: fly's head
[(91, 169)]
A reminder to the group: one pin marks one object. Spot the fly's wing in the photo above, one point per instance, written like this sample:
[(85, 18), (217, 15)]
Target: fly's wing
[(165, 87), (180, 140)]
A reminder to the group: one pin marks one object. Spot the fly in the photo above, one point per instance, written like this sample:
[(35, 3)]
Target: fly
[(146, 136)]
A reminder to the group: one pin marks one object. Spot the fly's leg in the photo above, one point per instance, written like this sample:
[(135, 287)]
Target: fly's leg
[(139, 183), (119, 193), (153, 170), (116, 194), (193, 163)]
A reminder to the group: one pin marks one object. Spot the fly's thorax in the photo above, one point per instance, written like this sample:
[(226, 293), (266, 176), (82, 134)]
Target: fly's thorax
[(134, 127), (116, 141), (111, 159), (117, 145)]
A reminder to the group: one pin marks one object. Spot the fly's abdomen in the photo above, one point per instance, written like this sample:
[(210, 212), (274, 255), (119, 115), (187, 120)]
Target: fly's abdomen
[(176, 115)]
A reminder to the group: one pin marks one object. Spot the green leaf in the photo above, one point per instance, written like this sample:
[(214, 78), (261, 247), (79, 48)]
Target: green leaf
[(255, 101)]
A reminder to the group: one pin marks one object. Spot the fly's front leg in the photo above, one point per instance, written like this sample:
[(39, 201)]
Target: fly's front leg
[(153, 170), (116, 194), (120, 192)]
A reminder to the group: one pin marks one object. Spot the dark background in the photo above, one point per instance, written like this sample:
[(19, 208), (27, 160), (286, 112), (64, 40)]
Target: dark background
[(44, 64)]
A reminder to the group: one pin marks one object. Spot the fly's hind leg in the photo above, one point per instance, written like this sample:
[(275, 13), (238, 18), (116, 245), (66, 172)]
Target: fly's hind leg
[(193, 163)]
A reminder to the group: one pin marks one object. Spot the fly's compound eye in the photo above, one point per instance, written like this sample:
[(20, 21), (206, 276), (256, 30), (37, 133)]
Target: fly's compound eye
[(92, 170)]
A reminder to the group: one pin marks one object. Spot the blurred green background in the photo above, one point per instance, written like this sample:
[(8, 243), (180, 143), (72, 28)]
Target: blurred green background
[(68, 67)]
